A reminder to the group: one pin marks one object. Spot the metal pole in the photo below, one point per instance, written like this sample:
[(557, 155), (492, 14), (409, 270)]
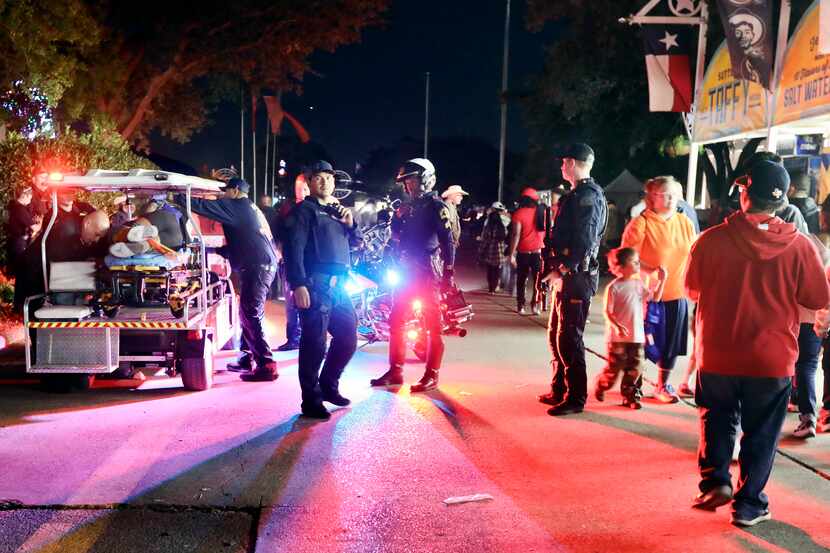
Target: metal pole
[(700, 68), (504, 68), (275, 179), (267, 151), (253, 133), (772, 99), (242, 131), (426, 117)]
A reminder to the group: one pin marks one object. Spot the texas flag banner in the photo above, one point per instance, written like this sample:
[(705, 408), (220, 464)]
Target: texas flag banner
[(668, 68)]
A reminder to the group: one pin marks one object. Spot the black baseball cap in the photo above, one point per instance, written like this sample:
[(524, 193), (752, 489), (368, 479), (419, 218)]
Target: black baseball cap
[(320, 166), (236, 182), (767, 181), (577, 151)]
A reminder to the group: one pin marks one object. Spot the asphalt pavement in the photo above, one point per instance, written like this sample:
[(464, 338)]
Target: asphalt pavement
[(235, 469)]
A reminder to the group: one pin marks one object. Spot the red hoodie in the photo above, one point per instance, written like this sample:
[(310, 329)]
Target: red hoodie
[(749, 275)]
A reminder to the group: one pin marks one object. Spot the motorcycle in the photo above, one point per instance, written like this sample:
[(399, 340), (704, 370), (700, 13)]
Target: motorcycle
[(371, 286)]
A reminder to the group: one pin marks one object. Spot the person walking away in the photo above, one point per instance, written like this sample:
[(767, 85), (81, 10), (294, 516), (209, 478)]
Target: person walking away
[(492, 247), (577, 232), (748, 276), (317, 259), (625, 298), (423, 232), (663, 237), (252, 255), (527, 239), (453, 196)]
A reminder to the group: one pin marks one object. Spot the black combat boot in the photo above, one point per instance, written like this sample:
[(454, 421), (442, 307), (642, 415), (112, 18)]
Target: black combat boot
[(392, 377), (428, 382)]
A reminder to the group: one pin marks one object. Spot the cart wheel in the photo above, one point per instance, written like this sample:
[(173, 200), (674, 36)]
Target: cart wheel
[(197, 372), (66, 383)]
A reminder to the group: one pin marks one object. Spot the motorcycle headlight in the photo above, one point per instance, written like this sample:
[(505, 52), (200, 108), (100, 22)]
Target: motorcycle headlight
[(393, 278)]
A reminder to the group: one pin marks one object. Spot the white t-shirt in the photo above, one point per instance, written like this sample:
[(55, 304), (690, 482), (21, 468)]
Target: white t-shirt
[(625, 300)]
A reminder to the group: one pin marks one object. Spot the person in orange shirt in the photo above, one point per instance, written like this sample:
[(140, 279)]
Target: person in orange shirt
[(663, 237)]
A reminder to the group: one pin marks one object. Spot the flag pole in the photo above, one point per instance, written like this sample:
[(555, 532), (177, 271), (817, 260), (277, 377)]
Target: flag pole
[(267, 151), (253, 133), (241, 131)]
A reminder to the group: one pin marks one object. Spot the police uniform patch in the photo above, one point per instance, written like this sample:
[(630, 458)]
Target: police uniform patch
[(444, 213)]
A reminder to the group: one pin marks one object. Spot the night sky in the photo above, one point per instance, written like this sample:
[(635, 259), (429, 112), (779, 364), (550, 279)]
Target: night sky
[(372, 93)]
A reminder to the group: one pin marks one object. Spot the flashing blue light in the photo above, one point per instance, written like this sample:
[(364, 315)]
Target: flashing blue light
[(392, 277), (352, 287)]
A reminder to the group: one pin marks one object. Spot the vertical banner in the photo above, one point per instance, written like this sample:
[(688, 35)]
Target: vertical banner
[(667, 67), (824, 27), (748, 27)]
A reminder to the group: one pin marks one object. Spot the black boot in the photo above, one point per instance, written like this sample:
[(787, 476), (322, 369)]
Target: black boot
[(334, 397), (428, 382), (392, 377)]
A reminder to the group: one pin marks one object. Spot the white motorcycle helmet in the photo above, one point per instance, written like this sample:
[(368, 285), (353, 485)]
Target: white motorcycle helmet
[(423, 169)]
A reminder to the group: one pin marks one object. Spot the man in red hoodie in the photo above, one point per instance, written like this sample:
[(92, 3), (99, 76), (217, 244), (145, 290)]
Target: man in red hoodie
[(748, 276)]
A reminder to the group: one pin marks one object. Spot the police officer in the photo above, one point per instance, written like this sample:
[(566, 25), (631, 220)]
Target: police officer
[(421, 227), (253, 257), (576, 236), (319, 232)]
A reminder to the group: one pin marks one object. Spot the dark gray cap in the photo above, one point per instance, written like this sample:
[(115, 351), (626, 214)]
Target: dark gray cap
[(577, 151)]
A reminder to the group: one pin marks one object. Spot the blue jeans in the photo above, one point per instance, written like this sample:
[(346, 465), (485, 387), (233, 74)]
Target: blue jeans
[(809, 347), (759, 406)]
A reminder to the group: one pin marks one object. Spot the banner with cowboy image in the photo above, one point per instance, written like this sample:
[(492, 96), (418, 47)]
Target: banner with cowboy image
[(749, 34)]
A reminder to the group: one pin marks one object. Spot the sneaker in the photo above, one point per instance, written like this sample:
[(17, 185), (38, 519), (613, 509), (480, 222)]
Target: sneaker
[(522, 311), (824, 420), (747, 521), (685, 391), (632, 403), (806, 428), (535, 309), (666, 394), (140, 233), (550, 399), (565, 408), (239, 367)]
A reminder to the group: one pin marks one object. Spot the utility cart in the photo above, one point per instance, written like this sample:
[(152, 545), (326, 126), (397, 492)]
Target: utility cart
[(148, 314)]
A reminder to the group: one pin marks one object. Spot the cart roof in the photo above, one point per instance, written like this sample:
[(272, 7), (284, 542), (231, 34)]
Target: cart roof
[(136, 180)]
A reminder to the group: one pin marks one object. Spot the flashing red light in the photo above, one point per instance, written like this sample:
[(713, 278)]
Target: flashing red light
[(194, 335), (55, 176), (417, 305), (412, 334)]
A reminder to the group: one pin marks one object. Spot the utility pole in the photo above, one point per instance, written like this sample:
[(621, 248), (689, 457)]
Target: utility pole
[(503, 138), (426, 117)]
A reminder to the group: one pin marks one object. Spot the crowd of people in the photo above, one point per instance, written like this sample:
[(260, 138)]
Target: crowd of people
[(752, 290)]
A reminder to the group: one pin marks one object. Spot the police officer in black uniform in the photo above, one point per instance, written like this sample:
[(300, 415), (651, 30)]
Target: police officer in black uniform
[(576, 236), (317, 259), (421, 228), (252, 255)]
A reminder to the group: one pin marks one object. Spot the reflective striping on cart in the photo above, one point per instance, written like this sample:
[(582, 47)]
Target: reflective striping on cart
[(112, 324)]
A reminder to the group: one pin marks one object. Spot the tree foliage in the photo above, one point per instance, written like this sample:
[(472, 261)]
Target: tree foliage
[(145, 65), (593, 88)]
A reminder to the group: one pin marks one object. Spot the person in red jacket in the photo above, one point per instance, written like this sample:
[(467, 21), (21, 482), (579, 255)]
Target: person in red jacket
[(748, 276)]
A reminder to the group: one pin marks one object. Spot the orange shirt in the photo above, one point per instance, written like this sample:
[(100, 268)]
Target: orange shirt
[(662, 242)]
